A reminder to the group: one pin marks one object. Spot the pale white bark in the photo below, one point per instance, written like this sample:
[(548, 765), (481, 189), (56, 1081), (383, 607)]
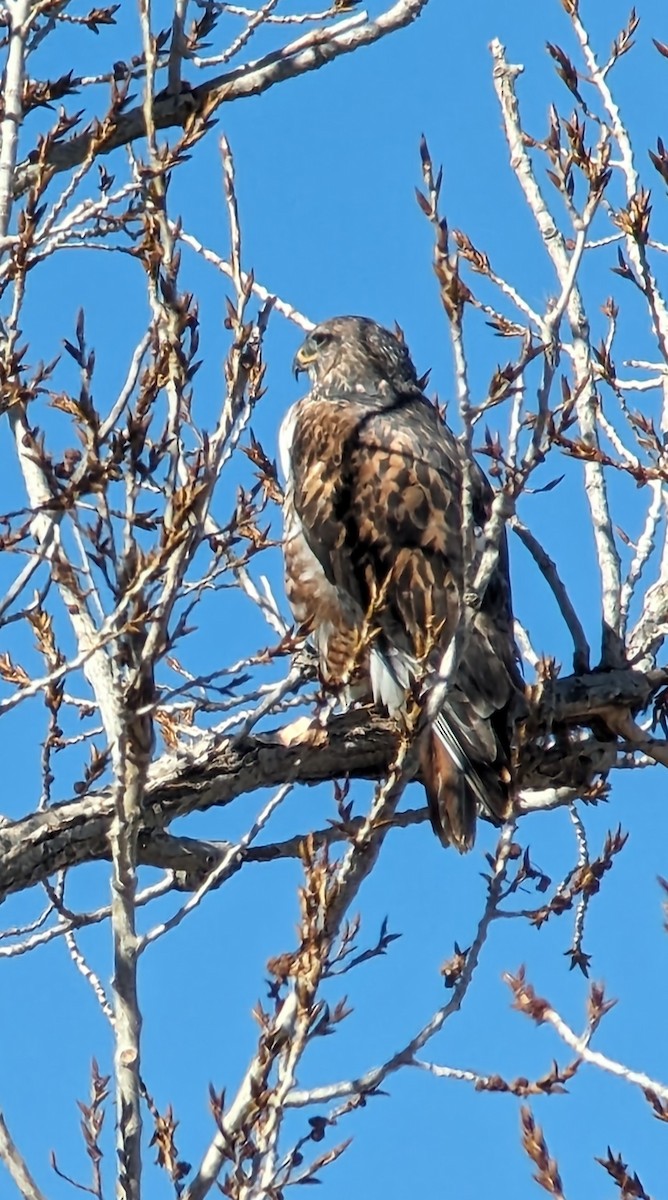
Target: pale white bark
[(16, 1166), (18, 12), (570, 301)]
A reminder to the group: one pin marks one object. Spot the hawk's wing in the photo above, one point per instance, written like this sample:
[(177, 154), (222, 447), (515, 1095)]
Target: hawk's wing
[(322, 611), (373, 490)]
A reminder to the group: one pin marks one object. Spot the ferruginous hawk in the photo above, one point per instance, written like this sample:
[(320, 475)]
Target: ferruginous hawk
[(374, 561)]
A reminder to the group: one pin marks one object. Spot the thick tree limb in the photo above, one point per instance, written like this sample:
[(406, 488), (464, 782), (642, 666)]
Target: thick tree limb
[(359, 744)]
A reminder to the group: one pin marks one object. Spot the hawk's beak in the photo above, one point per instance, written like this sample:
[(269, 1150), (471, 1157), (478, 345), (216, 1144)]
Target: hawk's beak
[(302, 359)]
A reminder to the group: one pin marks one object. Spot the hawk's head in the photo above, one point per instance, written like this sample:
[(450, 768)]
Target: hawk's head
[(355, 355)]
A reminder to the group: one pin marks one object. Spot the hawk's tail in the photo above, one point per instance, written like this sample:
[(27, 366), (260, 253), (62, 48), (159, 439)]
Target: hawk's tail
[(457, 788)]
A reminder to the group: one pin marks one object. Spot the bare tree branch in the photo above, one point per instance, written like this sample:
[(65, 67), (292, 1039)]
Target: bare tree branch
[(16, 1166), (171, 110), (77, 831)]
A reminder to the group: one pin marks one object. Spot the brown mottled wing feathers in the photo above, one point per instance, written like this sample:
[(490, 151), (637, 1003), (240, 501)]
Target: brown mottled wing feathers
[(320, 609), (372, 491)]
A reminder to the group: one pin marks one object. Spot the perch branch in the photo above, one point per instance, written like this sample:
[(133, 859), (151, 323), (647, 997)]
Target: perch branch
[(358, 744)]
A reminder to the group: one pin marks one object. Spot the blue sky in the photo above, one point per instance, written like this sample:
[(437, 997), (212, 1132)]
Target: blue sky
[(326, 168)]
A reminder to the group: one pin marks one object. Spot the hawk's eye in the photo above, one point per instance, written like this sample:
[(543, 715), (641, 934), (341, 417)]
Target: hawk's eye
[(320, 338)]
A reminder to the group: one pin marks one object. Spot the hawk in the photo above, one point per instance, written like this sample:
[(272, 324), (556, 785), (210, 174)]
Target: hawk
[(375, 562)]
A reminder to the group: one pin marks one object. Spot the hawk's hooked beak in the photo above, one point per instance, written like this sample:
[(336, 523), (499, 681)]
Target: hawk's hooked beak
[(302, 359)]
